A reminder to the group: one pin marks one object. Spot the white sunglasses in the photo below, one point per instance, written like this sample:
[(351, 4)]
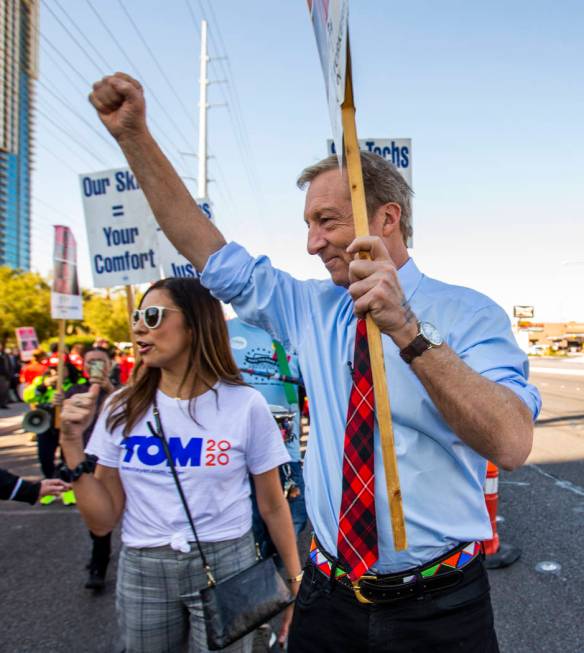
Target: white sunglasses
[(151, 316)]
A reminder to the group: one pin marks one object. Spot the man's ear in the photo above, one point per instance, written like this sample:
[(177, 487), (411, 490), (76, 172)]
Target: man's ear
[(390, 216)]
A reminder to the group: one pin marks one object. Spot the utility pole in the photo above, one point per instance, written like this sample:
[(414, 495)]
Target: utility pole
[(203, 83)]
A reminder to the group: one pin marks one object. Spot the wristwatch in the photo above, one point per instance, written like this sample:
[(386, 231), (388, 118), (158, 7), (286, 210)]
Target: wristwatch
[(428, 337), (87, 466)]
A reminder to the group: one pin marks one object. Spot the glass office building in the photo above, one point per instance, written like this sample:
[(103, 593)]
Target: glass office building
[(18, 69)]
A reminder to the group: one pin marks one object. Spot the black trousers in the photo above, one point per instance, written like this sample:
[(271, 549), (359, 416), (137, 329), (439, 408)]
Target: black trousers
[(47, 444), (100, 552), (329, 619)]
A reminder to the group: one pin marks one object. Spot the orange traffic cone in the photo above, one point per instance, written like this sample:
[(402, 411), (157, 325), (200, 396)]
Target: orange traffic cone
[(497, 553)]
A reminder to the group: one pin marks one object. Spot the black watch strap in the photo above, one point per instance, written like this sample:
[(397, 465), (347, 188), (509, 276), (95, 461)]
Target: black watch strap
[(416, 348), (86, 466)]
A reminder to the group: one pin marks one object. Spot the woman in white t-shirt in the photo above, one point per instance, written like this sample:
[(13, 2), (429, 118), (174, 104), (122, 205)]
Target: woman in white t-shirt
[(219, 431)]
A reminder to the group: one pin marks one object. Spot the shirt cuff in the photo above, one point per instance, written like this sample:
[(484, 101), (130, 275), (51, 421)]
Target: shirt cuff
[(526, 393), (227, 271)]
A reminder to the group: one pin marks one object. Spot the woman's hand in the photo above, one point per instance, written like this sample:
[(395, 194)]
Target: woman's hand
[(287, 619), (77, 414)]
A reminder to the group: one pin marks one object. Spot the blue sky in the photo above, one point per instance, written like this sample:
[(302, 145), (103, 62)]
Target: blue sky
[(490, 94)]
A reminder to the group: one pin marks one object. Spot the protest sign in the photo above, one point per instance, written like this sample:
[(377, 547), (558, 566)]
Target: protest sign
[(396, 150), (121, 230), (66, 303), (27, 341), (172, 262), (329, 21)]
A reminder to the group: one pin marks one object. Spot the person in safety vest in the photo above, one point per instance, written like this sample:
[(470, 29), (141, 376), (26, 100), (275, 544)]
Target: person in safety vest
[(42, 393)]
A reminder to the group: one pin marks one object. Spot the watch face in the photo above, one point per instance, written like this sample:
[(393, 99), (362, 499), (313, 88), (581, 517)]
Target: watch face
[(431, 334)]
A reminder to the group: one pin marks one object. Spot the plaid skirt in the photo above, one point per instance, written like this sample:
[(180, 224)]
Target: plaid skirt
[(157, 596)]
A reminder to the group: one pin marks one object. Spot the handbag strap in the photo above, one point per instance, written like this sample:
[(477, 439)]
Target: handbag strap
[(159, 433)]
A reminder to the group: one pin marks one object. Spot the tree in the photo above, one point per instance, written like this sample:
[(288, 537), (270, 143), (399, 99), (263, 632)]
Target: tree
[(25, 300), (107, 317)]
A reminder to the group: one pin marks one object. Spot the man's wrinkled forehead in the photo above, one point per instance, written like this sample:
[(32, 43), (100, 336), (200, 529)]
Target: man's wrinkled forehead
[(327, 190)]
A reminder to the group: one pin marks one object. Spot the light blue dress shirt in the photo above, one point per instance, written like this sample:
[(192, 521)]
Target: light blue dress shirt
[(441, 477)]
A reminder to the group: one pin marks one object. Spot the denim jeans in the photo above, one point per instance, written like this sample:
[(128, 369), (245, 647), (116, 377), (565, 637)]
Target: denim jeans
[(297, 508)]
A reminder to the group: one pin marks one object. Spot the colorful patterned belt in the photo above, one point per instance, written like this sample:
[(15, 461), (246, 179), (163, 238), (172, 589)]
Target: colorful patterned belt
[(438, 574)]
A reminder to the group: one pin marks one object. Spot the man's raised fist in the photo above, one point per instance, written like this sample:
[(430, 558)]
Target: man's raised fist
[(119, 102)]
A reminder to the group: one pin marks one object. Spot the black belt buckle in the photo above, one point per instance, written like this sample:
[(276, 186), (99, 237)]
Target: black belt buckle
[(380, 590)]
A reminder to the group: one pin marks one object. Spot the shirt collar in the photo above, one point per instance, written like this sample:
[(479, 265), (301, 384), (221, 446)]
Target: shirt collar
[(409, 277)]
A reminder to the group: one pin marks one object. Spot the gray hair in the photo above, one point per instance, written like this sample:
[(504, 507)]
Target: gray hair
[(383, 184)]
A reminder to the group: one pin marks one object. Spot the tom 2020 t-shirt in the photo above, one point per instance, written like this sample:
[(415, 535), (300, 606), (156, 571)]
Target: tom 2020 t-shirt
[(234, 435)]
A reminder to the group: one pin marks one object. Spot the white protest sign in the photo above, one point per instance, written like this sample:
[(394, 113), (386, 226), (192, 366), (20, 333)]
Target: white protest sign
[(66, 302), (172, 262), (121, 230), (330, 19), (395, 150)]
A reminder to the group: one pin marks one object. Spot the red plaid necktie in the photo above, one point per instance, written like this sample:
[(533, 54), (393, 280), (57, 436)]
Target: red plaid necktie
[(357, 541)]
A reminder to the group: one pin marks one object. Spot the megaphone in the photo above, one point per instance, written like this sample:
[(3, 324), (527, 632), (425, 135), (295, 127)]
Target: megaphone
[(37, 421)]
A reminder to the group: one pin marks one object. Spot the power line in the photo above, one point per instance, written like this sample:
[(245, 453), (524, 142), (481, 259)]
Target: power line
[(192, 13), (236, 116), (56, 156), (87, 84), (81, 77), (79, 116), (154, 97), (68, 133), (224, 180), (232, 87), (72, 37), (52, 208), (107, 66), (188, 114)]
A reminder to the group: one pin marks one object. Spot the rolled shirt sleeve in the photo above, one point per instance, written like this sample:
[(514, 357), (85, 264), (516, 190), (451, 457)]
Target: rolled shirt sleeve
[(487, 345)]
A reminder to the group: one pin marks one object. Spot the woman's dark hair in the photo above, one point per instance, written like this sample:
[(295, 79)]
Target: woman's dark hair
[(209, 356)]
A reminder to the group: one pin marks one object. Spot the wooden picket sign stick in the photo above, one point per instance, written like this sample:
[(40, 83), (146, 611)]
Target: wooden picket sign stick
[(382, 405), (130, 305), (60, 368)]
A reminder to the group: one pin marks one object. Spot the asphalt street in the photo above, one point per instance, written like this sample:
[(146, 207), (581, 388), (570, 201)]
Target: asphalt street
[(44, 607)]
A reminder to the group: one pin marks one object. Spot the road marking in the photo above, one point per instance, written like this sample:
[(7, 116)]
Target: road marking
[(561, 371), (548, 567), (564, 485)]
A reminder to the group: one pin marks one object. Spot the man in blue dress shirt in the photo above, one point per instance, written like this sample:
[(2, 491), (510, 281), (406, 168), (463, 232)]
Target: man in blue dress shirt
[(457, 382)]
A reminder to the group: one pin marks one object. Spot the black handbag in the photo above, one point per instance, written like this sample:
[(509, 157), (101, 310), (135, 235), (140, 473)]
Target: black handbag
[(235, 606)]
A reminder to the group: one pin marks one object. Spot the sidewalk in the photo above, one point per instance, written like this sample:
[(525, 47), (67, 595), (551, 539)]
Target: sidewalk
[(11, 418), (17, 453)]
